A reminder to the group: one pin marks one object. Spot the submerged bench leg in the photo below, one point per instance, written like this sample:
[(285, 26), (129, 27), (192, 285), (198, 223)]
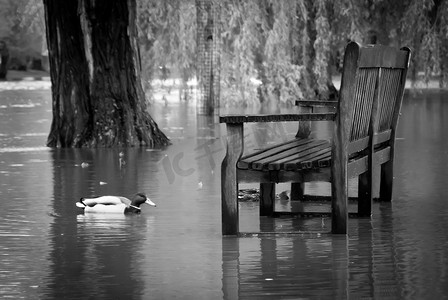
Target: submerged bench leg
[(229, 179), (387, 179), (365, 194), (339, 212), (339, 183), (267, 199), (297, 191)]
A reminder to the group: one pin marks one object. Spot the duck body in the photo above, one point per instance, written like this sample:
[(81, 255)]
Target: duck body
[(114, 204)]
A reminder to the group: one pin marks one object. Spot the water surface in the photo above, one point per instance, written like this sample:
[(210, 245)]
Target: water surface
[(49, 250)]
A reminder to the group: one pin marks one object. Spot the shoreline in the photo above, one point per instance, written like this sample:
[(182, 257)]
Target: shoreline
[(36, 75)]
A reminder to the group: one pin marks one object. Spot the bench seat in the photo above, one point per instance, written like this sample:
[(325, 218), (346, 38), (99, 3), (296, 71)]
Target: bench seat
[(297, 154)]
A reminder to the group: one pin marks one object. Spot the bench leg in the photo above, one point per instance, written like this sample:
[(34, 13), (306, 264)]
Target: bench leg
[(365, 190), (267, 199), (387, 179), (339, 191), (229, 179), (229, 202), (339, 213), (297, 191)]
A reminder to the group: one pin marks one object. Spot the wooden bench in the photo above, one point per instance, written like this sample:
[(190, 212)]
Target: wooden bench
[(365, 120)]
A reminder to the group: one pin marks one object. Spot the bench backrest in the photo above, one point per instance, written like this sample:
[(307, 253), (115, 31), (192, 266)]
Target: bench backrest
[(372, 87)]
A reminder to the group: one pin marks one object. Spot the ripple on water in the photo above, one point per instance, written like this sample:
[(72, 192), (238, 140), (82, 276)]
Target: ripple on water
[(48, 251), (23, 254), (23, 149)]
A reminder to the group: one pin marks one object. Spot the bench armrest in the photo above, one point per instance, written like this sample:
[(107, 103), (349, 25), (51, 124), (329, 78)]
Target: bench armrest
[(277, 118), (316, 103)]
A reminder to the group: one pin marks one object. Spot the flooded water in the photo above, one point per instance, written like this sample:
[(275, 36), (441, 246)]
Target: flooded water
[(49, 250)]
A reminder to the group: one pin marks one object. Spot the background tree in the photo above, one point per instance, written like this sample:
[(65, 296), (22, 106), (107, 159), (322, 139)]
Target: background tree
[(23, 35), (167, 36), (424, 27), (98, 99), (208, 55), (419, 24), (283, 44), (255, 69)]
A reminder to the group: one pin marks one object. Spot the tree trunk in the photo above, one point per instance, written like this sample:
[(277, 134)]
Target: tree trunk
[(72, 108), (98, 99), (208, 39), (4, 58)]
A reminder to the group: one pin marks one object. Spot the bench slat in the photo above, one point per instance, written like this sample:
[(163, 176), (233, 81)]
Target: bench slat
[(358, 145), (298, 162), (275, 158), (362, 103), (363, 143), (276, 162), (389, 94), (382, 137), (324, 162), (309, 160), (317, 103), (277, 118), (246, 161), (277, 147), (383, 57)]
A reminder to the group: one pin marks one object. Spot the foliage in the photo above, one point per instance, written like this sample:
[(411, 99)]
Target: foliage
[(167, 35), (276, 43), (425, 28), (280, 50), (418, 24), (302, 41), (284, 76), (240, 44), (322, 48), (21, 27)]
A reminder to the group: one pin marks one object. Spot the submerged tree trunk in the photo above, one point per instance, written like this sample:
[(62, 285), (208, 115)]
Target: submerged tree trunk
[(98, 99), (72, 107)]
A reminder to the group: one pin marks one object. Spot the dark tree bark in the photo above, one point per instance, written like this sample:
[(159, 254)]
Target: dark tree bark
[(4, 58), (98, 99), (72, 107)]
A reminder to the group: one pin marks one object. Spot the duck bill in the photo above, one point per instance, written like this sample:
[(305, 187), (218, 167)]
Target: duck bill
[(149, 202)]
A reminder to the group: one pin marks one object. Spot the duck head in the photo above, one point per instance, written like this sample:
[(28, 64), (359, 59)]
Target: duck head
[(140, 199)]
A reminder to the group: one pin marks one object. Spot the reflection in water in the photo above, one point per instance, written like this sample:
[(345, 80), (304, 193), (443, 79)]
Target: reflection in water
[(420, 208), (49, 250), (97, 253), (25, 194), (285, 267)]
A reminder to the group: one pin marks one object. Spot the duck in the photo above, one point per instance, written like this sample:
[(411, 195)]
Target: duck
[(114, 204)]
